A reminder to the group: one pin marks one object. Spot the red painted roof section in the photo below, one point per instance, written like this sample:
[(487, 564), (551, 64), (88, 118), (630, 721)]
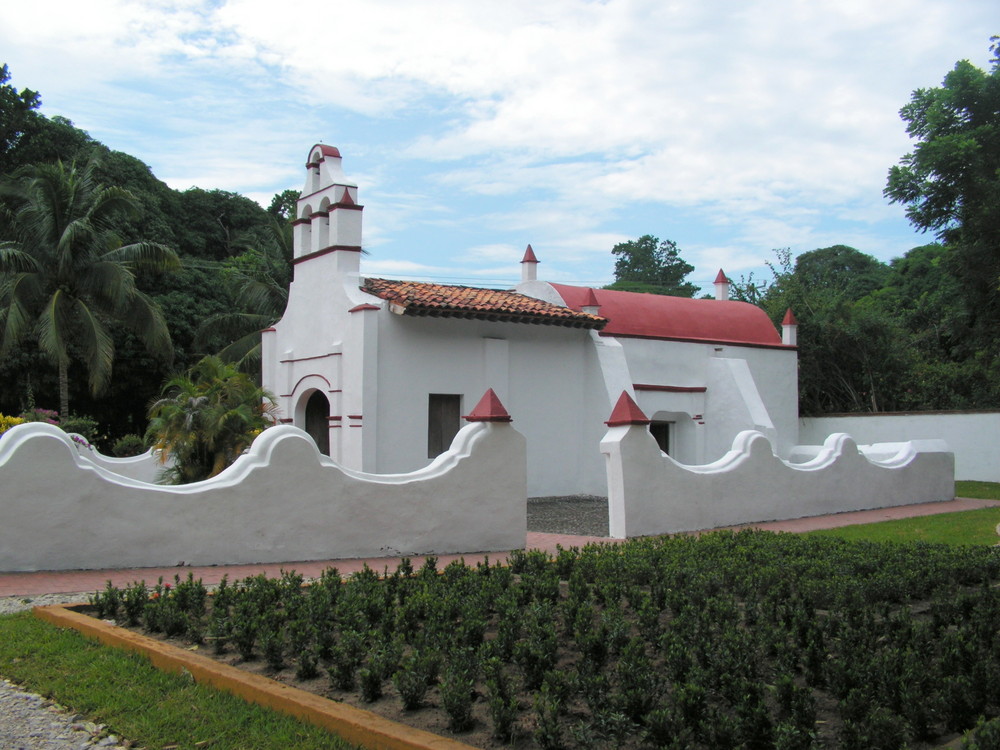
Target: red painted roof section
[(360, 308), (678, 318), (489, 409), (328, 150), (789, 319), (444, 301), (529, 256), (591, 300), (626, 412), (720, 278)]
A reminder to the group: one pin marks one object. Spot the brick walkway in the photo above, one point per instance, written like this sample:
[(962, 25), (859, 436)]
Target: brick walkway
[(71, 581)]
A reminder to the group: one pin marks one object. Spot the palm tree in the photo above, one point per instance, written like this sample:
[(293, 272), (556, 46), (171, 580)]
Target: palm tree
[(258, 280), (206, 419), (65, 275)]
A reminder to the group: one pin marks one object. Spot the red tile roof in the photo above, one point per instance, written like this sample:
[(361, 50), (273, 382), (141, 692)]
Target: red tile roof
[(440, 300), (658, 316)]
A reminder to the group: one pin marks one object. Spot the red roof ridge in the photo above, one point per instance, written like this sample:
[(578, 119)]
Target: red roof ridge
[(626, 412), (442, 300), (489, 409), (668, 317)]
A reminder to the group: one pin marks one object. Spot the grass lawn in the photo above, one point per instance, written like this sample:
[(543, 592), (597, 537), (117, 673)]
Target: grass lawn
[(967, 527), (978, 490), (136, 700)]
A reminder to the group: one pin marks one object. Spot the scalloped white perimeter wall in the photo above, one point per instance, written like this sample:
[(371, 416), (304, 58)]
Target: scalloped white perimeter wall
[(281, 501), (974, 437), (63, 507)]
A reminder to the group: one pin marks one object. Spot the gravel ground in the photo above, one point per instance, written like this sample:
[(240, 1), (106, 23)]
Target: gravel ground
[(30, 722), (585, 515), (11, 604)]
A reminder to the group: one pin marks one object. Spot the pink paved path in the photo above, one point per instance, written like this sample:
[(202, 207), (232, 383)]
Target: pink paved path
[(71, 581)]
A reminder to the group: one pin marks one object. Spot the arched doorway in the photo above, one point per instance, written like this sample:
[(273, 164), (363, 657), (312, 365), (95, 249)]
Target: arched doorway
[(318, 421)]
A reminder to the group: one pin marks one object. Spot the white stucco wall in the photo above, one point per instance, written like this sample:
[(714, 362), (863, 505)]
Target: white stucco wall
[(546, 376), (974, 437), (280, 502), (649, 493), (145, 467), (745, 388)]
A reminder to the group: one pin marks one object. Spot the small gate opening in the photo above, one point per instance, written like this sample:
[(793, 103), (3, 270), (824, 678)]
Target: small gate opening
[(661, 431), (318, 421)]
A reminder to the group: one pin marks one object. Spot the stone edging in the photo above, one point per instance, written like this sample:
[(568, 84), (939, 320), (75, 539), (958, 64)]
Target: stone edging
[(354, 725)]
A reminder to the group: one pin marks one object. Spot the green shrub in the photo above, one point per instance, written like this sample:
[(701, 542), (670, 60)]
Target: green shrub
[(128, 445), (456, 697), (411, 684), (501, 699), (206, 419), (40, 415), (985, 736), (81, 425)]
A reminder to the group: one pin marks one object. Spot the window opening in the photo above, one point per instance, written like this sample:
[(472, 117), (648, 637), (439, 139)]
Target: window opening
[(444, 420)]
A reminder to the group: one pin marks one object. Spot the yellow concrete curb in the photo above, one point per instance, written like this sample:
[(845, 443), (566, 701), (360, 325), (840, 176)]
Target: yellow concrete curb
[(355, 725)]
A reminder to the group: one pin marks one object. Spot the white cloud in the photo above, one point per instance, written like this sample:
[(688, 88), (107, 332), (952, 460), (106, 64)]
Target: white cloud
[(508, 122)]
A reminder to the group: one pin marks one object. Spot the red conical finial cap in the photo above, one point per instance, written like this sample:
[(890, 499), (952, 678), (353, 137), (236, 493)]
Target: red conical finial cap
[(789, 319), (529, 256), (489, 409), (626, 412), (720, 278)]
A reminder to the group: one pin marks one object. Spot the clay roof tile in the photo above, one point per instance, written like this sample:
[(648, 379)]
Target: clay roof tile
[(441, 300)]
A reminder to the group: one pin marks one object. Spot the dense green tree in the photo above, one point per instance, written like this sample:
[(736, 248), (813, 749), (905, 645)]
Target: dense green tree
[(950, 367), (65, 276), (842, 270), (51, 139), (205, 419), (851, 356), (17, 110), (258, 280), (157, 207), (950, 182), (212, 222), (28, 137), (653, 266), (204, 227), (283, 204)]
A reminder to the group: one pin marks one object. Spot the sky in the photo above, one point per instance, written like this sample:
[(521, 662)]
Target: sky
[(473, 128)]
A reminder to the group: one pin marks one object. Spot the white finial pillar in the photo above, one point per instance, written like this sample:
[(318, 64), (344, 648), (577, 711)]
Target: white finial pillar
[(789, 329), (721, 286), (529, 265)]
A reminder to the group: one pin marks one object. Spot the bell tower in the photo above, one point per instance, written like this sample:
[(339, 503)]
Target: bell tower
[(328, 216)]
